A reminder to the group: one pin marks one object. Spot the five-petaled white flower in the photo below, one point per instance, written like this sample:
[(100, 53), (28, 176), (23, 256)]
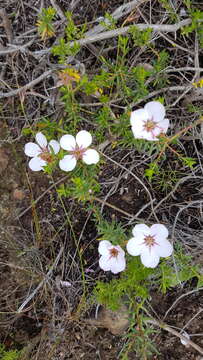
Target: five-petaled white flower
[(150, 243), (42, 152), (112, 257), (150, 122), (78, 149)]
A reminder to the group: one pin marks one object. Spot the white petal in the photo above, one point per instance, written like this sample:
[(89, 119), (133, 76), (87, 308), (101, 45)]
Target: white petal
[(32, 149), (90, 156), (104, 246), (160, 231), (164, 248), (117, 264), (164, 124), (135, 246), (120, 250), (138, 116), (138, 130), (41, 140), (149, 257), (68, 142), (155, 110), (151, 136), (37, 164), (54, 146), (68, 163), (141, 228), (104, 263), (83, 138)]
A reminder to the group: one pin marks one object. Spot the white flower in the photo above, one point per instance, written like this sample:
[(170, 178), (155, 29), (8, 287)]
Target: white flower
[(42, 152), (149, 123), (150, 243), (112, 257), (78, 149)]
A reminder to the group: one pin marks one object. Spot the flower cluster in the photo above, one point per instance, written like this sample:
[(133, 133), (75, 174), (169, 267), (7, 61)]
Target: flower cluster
[(150, 243), (44, 153)]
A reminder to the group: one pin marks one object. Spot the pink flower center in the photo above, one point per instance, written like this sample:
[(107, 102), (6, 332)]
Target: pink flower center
[(78, 152), (113, 252)]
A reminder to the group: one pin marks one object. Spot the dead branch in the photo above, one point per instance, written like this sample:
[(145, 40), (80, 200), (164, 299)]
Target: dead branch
[(46, 278), (176, 333), (7, 25), (124, 30), (15, 48), (121, 11), (58, 10)]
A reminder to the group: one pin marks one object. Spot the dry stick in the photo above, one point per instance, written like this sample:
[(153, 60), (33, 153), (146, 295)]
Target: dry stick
[(15, 48), (27, 86), (58, 10), (122, 31), (91, 39), (176, 333), (7, 25), (181, 297), (73, 5), (103, 202), (191, 203), (40, 197), (157, 92), (180, 182), (121, 11), (46, 278), (137, 179)]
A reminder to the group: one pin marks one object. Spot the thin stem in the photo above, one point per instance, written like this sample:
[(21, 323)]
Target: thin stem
[(113, 207), (176, 333)]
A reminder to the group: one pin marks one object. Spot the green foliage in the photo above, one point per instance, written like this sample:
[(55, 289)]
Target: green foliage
[(190, 162), (185, 271), (196, 25), (140, 37), (170, 10), (82, 185), (44, 24), (152, 170), (112, 232), (131, 284), (136, 280), (158, 65), (64, 49), (8, 354), (140, 76), (69, 46), (109, 22), (138, 337), (72, 31)]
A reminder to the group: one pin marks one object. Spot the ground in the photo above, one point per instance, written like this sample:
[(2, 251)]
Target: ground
[(44, 238)]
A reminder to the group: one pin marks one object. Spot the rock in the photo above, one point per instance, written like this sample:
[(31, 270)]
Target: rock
[(115, 321), (18, 194)]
